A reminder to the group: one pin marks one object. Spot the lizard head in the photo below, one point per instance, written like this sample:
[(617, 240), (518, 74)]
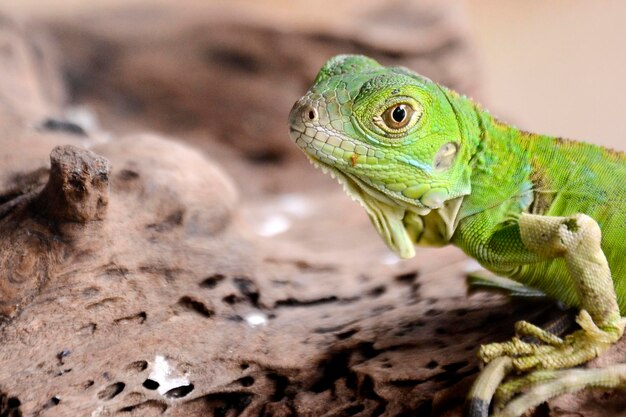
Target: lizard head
[(390, 136)]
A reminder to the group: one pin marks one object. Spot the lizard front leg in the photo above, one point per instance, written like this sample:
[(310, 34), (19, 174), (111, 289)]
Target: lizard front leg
[(577, 239)]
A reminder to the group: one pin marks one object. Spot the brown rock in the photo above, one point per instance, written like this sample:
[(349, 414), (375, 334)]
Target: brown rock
[(78, 283), (78, 187)]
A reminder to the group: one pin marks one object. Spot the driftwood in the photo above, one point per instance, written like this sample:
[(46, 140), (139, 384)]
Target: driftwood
[(135, 280)]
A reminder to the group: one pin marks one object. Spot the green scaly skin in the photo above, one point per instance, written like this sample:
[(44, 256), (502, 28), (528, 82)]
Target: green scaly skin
[(431, 167)]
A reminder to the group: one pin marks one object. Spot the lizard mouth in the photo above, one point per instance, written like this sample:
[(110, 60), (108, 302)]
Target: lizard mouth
[(326, 146), (338, 161)]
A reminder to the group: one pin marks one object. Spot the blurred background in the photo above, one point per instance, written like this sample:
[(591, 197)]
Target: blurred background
[(555, 67)]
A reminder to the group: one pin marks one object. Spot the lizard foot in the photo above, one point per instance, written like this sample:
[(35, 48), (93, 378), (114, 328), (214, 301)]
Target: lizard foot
[(543, 363), (554, 352)]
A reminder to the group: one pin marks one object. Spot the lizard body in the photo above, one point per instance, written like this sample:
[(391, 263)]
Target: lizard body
[(432, 167), (551, 177)]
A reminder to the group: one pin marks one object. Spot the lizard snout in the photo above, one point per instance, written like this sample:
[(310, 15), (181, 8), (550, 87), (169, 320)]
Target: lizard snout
[(302, 113)]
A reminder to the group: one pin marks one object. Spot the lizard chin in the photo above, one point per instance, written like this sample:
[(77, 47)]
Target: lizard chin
[(385, 214)]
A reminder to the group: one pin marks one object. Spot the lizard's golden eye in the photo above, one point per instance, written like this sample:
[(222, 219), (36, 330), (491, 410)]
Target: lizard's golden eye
[(397, 118)]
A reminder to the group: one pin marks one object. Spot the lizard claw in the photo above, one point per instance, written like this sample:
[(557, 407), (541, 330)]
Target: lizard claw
[(553, 352)]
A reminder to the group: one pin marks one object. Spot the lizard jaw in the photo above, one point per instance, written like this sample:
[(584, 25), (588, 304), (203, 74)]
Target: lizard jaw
[(339, 164)]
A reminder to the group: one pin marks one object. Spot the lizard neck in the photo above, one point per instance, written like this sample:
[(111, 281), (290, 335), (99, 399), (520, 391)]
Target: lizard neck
[(498, 160), (492, 169)]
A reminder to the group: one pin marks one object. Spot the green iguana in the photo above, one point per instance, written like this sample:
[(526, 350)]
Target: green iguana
[(432, 167)]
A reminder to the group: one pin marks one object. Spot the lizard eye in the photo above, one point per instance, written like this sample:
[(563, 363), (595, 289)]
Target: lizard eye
[(397, 118)]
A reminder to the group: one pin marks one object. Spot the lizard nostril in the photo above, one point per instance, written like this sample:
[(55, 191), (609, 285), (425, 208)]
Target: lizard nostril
[(309, 114)]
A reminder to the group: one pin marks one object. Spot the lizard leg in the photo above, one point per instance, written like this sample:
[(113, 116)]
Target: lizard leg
[(512, 387), (577, 239), (482, 281), (560, 382)]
